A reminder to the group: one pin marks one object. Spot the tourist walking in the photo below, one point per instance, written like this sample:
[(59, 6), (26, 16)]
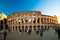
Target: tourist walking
[(58, 32), (20, 31), (29, 31), (37, 31), (56, 29), (41, 32), (5, 34)]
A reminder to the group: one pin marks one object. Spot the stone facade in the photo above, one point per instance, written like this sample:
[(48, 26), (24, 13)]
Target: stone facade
[(3, 22), (30, 19)]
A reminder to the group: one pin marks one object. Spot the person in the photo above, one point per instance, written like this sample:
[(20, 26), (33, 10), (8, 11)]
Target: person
[(29, 31), (5, 34), (20, 31), (37, 31), (25, 30), (58, 32), (41, 32)]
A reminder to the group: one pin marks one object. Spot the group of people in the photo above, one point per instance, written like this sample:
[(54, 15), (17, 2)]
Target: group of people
[(38, 31), (26, 30)]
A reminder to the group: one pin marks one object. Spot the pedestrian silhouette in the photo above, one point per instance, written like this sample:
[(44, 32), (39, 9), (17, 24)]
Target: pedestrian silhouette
[(29, 31), (20, 31), (37, 31), (41, 32), (58, 32), (5, 34)]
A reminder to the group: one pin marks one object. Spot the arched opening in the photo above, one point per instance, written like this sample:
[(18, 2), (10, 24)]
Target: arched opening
[(38, 27), (23, 28), (26, 28), (41, 27), (6, 27), (45, 27), (1, 27), (31, 27), (38, 20), (48, 27), (16, 28), (34, 27), (19, 27), (34, 20), (13, 28)]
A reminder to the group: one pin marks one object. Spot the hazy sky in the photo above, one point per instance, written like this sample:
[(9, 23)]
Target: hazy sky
[(48, 7)]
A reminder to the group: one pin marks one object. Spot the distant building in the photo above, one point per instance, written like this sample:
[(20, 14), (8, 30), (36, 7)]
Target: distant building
[(3, 21), (30, 19)]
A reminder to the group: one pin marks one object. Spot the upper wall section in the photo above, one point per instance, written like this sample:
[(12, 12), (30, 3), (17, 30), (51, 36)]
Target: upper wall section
[(32, 14)]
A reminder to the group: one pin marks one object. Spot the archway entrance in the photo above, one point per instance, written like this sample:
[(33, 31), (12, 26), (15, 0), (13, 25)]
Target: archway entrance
[(26, 28), (30, 27), (19, 27), (48, 27), (38, 27), (13, 28), (6, 27), (45, 27), (34, 27), (1, 27), (22, 28), (41, 27), (16, 28)]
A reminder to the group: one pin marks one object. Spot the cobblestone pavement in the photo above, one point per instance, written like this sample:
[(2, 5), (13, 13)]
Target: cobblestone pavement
[(48, 35)]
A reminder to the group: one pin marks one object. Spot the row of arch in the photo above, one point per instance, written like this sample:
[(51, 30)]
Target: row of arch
[(4, 27), (31, 27)]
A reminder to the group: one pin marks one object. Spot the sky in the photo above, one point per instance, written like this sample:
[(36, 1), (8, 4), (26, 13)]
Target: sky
[(47, 7)]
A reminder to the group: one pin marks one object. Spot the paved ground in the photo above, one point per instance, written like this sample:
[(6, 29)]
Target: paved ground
[(48, 35)]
